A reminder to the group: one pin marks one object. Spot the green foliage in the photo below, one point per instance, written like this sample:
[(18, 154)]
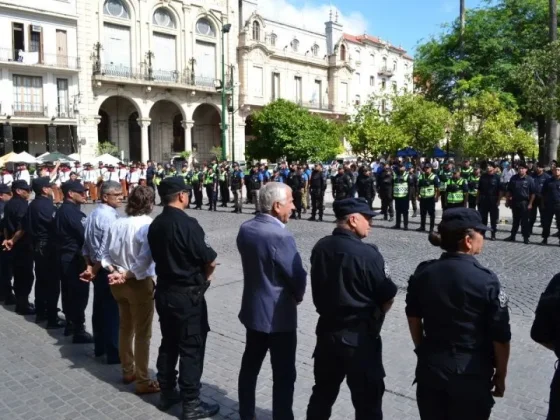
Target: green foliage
[(186, 154), (216, 151), (421, 121), (285, 129), (107, 147)]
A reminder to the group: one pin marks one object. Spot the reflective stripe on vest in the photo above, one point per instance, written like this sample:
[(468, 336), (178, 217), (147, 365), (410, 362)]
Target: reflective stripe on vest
[(208, 179), (400, 188), (456, 196), (474, 191), (223, 176), (428, 191)]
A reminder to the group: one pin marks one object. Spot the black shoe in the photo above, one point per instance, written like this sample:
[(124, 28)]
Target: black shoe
[(421, 229), (40, 317), (510, 239), (384, 217), (395, 227), (391, 219), (493, 237), (82, 337), (299, 216), (168, 399), (10, 300), (415, 214), (406, 228), (69, 329), (25, 308), (55, 324), (234, 211), (320, 219), (544, 241), (198, 409), (312, 219), (526, 241)]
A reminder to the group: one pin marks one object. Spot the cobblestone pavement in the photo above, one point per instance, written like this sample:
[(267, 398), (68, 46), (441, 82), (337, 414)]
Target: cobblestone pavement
[(43, 376)]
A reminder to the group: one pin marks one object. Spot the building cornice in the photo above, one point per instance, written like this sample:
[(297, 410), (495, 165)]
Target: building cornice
[(33, 10)]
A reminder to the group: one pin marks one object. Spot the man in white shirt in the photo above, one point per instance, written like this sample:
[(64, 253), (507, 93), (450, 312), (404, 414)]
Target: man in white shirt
[(111, 174), (123, 178), (90, 176), (22, 173), (64, 173), (6, 177), (133, 178)]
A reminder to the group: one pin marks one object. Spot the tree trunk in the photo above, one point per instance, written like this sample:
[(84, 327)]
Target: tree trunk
[(552, 124), (541, 133)]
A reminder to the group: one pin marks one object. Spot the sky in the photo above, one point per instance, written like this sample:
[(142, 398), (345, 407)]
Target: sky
[(401, 22)]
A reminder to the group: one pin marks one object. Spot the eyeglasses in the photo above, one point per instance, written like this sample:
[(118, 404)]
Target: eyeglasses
[(115, 194)]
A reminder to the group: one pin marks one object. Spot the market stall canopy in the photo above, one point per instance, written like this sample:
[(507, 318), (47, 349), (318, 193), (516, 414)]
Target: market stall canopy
[(7, 157), (74, 156), (439, 153), (407, 152), (54, 157), (106, 159), (22, 157)]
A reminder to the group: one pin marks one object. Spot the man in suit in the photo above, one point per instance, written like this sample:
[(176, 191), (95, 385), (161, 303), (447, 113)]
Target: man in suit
[(274, 284)]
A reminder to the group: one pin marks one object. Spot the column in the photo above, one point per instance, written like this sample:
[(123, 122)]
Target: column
[(188, 125), (51, 138), (144, 123), (8, 138)]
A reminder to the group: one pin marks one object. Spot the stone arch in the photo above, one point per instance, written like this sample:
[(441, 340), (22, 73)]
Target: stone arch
[(167, 135), (206, 130), (171, 9), (118, 110)]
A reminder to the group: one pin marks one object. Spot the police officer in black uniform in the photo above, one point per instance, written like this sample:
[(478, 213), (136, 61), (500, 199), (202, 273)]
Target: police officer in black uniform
[(6, 292), (459, 323), (20, 246), (351, 292), (551, 197), (317, 187), (341, 184), (539, 177), (39, 227), (295, 182), (365, 185), (428, 193), (184, 264), (546, 331), (488, 198), (69, 240), (520, 197), (385, 190), (237, 180)]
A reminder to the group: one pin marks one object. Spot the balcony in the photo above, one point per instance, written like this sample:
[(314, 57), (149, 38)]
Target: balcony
[(386, 71), (315, 105), (65, 111), (149, 76), (25, 109), (35, 59)]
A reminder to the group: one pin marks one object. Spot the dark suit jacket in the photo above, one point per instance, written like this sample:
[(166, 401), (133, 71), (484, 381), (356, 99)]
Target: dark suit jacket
[(274, 277)]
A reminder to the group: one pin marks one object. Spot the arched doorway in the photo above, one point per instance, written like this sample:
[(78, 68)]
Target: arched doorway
[(119, 126), (167, 132), (206, 131)]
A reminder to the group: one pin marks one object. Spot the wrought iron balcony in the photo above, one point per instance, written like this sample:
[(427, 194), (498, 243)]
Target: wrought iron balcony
[(65, 111), (26, 109), (27, 58), (386, 71)]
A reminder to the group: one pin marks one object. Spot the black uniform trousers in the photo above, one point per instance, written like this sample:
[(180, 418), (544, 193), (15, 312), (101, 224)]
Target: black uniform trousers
[(554, 400), (550, 213), (212, 196), (538, 204), (489, 206), (413, 200), (282, 346), (387, 205), (520, 212), (198, 196), (105, 319), (74, 291), (184, 326), (472, 201), (6, 273), (224, 193), (401, 208), (360, 363), (22, 264), (454, 205), (427, 207), (297, 194), (47, 283), (317, 197)]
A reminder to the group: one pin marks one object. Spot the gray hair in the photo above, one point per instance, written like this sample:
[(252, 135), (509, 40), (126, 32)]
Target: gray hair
[(273, 192), (109, 187)]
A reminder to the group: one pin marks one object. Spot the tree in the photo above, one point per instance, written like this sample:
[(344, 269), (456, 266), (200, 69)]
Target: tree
[(284, 129), (422, 122), (370, 134), (104, 147)]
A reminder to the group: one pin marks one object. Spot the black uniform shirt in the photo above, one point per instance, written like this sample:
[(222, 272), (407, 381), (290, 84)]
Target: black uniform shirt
[(463, 310), (14, 214), (39, 219), (349, 281), (317, 181), (546, 326), (521, 188), (539, 181), (551, 192), (179, 249), (68, 233), (489, 186)]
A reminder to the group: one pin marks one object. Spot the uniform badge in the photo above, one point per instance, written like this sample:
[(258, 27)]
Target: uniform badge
[(387, 271), (503, 298), (206, 241)]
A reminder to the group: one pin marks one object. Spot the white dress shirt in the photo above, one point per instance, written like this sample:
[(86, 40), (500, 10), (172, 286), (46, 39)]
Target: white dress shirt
[(7, 179), (111, 176), (23, 175), (123, 173), (127, 247), (133, 177)]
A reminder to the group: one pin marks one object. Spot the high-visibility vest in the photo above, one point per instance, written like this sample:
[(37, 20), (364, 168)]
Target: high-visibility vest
[(466, 173), (208, 179), (445, 177), (457, 195), (223, 175), (427, 186), (473, 185), (400, 186)]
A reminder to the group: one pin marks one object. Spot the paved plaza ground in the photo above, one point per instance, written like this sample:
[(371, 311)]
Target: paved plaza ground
[(43, 376)]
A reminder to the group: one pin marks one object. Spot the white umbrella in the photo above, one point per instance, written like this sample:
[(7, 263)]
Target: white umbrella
[(107, 159), (74, 156), (22, 157)]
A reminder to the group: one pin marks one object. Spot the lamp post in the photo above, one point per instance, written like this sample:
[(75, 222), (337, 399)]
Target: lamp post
[(447, 135), (225, 29)]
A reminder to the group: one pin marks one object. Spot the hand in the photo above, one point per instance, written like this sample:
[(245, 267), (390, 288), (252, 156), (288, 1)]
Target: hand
[(116, 278), (8, 244), (529, 207), (499, 382), (87, 275)]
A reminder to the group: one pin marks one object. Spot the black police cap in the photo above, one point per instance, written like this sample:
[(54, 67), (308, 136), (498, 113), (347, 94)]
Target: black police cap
[(522, 165), (20, 184), (172, 185), (5, 189), (351, 206), (39, 183), (75, 186), (492, 164), (462, 218)]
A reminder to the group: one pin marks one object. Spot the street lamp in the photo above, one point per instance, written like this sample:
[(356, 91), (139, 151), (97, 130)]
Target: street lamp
[(447, 135), (225, 29)]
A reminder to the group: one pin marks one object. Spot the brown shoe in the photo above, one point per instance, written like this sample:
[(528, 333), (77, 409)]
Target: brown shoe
[(128, 379), (152, 387)]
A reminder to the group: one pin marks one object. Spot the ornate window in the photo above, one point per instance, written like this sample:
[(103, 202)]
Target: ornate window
[(273, 38), (295, 45), (342, 52), (204, 27), (162, 17), (115, 8), (256, 31), (384, 63), (315, 50)]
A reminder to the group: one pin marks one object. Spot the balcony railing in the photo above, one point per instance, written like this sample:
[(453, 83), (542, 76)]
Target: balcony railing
[(24, 109), (386, 71), (65, 111), (315, 105), (39, 59), (147, 75)]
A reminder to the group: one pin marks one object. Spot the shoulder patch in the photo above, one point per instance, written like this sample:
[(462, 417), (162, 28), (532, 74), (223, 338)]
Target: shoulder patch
[(503, 298), (206, 241), (386, 270)]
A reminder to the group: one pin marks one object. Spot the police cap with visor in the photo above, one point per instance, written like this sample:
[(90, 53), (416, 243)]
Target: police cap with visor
[(348, 206), (172, 185), (461, 218)]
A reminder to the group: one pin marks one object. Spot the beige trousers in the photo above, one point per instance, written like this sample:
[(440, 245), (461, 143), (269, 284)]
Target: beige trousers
[(136, 310)]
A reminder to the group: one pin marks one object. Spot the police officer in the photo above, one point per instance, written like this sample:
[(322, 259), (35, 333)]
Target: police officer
[(467, 170), (295, 182), (428, 193), (317, 187), (472, 184), (539, 177), (256, 181), (211, 185), (197, 180), (385, 190), (488, 198), (351, 292), (184, 263), (445, 175), (401, 193), (365, 185), (6, 292), (460, 331), (413, 189), (237, 181), (224, 185), (457, 191), (19, 244), (69, 240), (39, 227), (545, 331), (341, 184), (551, 198), (520, 198)]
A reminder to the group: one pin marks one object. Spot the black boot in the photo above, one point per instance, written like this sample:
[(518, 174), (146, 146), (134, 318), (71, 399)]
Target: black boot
[(10, 300), (81, 336), (167, 399), (55, 324), (510, 238), (23, 307), (198, 409), (40, 316), (493, 237), (544, 241), (69, 329)]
